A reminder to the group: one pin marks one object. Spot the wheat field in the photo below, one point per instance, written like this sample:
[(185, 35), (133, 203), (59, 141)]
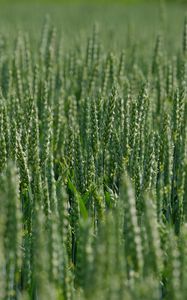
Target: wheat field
[(93, 153)]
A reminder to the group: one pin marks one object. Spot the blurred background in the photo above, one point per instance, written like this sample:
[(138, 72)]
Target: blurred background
[(119, 21), (90, 1)]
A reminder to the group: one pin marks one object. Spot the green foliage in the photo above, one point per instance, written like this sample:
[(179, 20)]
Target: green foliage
[(93, 169)]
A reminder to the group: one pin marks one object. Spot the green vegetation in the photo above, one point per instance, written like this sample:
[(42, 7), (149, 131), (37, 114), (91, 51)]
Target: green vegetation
[(93, 156), (90, 1)]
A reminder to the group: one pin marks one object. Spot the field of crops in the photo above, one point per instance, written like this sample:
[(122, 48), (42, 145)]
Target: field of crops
[(93, 153)]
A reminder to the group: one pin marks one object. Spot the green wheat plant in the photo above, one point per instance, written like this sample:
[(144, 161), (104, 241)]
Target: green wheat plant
[(93, 168)]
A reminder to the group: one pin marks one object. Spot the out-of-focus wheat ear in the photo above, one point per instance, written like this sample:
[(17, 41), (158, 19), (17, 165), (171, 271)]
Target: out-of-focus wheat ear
[(99, 261), (33, 149), (150, 164), (41, 287), (4, 113), (10, 78), (153, 236), (115, 276), (68, 280), (90, 169), (64, 230), (2, 248), (51, 65), (46, 199), (144, 110), (113, 70), (84, 263), (13, 142), (119, 120), (64, 218), (18, 62), (121, 69), (174, 73), (94, 81), (3, 150), (54, 246), (156, 174), (74, 212), (185, 189), (12, 234), (132, 121), (165, 165), (86, 120), (84, 82), (58, 121), (29, 65), (109, 120), (183, 255), (177, 174), (178, 112), (99, 109), (99, 208), (24, 185), (106, 76), (33, 155), (21, 160), (89, 53), (119, 261), (169, 81), (52, 184), (70, 148), (44, 40), (95, 44), (173, 268), (157, 57), (125, 134), (79, 165), (71, 130), (184, 44), (46, 130), (36, 83), (133, 244), (94, 129)]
